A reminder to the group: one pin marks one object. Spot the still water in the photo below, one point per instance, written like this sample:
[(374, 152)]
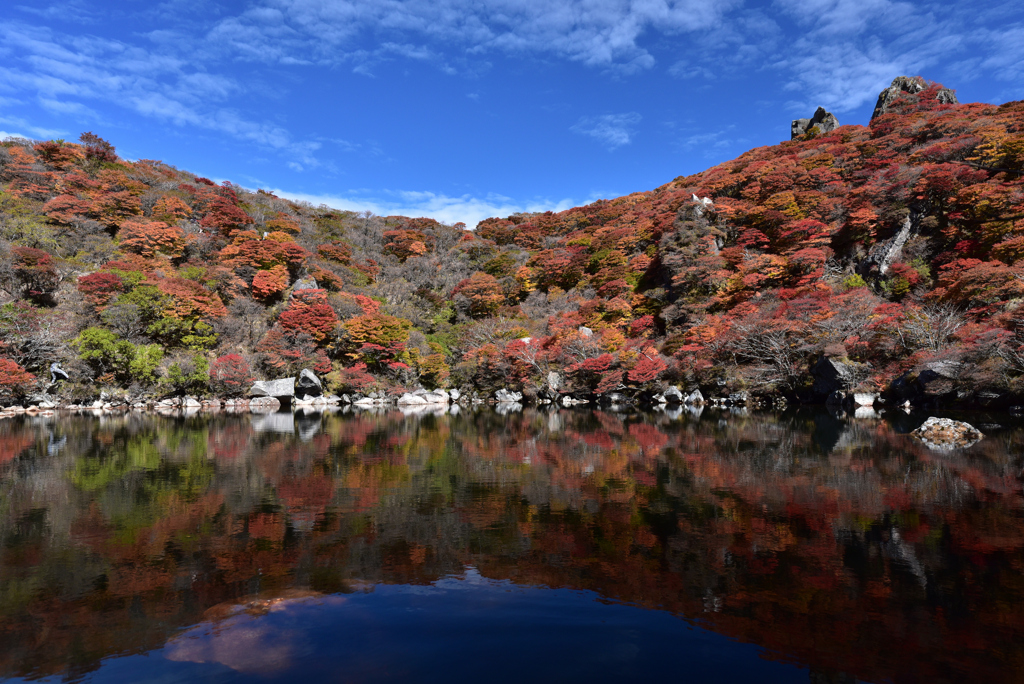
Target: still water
[(536, 546)]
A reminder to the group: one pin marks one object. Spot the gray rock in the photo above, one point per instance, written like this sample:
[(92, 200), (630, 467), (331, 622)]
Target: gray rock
[(911, 86), (408, 399), (504, 396), (284, 387), (436, 397), (586, 332), (694, 398), (307, 283), (190, 402), (673, 395), (617, 398), (333, 399), (454, 394), (825, 122), (864, 399), (555, 380), (308, 383), (945, 434), (831, 375), (57, 373)]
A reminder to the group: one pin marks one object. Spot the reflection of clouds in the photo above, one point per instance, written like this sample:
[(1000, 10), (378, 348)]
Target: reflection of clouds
[(246, 639), (242, 643)]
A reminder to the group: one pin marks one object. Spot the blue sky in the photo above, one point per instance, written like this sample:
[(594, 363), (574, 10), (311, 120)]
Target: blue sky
[(463, 109)]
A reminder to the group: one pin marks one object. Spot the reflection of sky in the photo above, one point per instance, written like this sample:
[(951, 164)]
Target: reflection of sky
[(463, 628)]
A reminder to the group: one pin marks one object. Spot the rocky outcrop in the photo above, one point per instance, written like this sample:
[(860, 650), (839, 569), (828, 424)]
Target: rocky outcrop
[(945, 434), (910, 85), (824, 121), (307, 283), (284, 387), (832, 375), (886, 253)]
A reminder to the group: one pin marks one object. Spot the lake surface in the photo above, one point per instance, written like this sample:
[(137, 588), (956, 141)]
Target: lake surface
[(575, 545)]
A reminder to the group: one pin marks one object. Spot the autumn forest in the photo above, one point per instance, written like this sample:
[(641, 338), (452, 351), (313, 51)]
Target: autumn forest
[(892, 254)]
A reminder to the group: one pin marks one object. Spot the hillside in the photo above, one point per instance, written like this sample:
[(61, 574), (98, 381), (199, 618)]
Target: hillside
[(882, 258)]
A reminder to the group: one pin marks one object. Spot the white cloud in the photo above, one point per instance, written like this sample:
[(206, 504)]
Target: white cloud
[(603, 33), (447, 209), (64, 70), (612, 130), (37, 132)]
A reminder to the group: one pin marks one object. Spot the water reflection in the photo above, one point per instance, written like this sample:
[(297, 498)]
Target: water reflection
[(833, 541)]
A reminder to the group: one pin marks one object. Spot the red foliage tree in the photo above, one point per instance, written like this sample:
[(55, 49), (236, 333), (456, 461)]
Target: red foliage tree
[(189, 299), (14, 380), (100, 287), (483, 292), (310, 313), (146, 238), (230, 375)]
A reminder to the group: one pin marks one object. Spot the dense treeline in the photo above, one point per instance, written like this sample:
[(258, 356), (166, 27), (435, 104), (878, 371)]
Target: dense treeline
[(894, 251)]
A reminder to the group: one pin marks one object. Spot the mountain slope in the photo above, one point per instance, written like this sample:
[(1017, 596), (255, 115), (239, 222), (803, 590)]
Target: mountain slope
[(872, 258)]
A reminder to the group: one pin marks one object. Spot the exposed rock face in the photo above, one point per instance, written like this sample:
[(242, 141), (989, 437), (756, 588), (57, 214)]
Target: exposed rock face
[(57, 373), (308, 383), (411, 400), (307, 283), (913, 86), (889, 251), (273, 388), (694, 398), (831, 375), (554, 381), (944, 433), (673, 395), (825, 122)]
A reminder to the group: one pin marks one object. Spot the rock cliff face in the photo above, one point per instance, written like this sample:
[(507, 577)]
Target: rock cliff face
[(913, 86), (825, 122)]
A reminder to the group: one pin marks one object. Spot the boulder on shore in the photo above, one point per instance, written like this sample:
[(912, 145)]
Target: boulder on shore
[(285, 387), (945, 434), (831, 375), (503, 396), (308, 383)]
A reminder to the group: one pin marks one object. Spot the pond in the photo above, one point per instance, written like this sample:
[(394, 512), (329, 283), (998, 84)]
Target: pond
[(563, 545)]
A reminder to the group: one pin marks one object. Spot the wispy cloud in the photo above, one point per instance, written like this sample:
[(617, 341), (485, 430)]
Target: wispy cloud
[(611, 130), (448, 209), (63, 72), (34, 132), (603, 33)]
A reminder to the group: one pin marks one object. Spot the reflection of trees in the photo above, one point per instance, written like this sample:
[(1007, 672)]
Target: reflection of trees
[(840, 543)]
